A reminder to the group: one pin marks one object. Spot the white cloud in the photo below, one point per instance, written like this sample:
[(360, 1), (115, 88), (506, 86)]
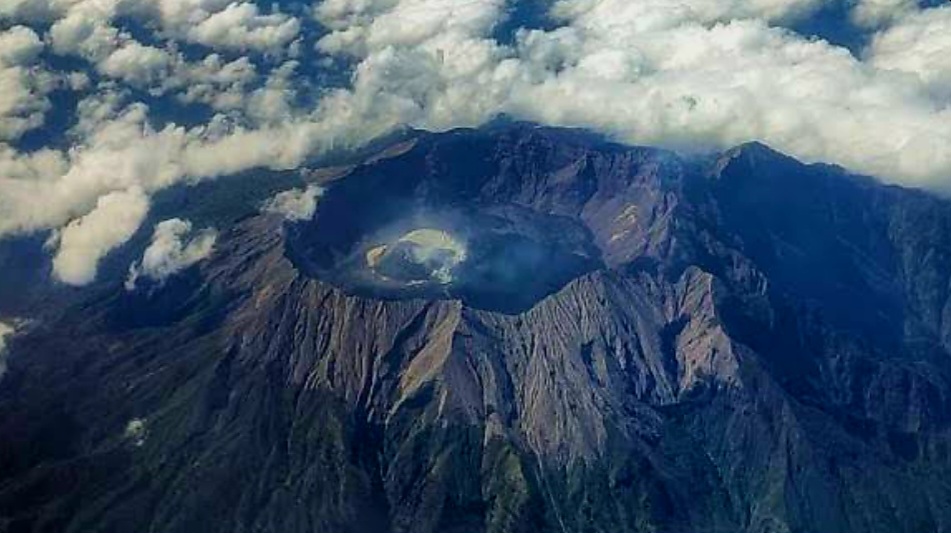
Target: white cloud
[(85, 31), (86, 26), (295, 204), (875, 13), (918, 44), (23, 85), (19, 46), (222, 85), (219, 24), (181, 13), (698, 86), (170, 253), (118, 154), (120, 151), (273, 103), (137, 64), (215, 82), (85, 241), (243, 27), (32, 167), (362, 27), (693, 74), (24, 10), (653, 15), (686, 74)]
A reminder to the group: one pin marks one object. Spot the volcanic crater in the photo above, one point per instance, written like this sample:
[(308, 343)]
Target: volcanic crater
[(385, 234)]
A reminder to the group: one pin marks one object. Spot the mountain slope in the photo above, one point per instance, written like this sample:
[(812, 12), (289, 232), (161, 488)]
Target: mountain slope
[(639, 342)]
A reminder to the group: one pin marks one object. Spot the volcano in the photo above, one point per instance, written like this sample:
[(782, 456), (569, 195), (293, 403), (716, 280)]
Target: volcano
[(512, 329)]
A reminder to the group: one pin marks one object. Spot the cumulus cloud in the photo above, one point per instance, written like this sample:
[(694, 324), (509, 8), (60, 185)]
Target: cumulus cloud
[(137, 64), (918, 44), (223, 24), (120, 150), (85, 29), (365, 26), (87, 240), (874, 13), (23, 85), (20, 46), (213, 81), (174, 248), (28, 167), (243, 27), (691, 85), (660, 14), (118, 154), (295, 204), (691, 75), (86, 26)]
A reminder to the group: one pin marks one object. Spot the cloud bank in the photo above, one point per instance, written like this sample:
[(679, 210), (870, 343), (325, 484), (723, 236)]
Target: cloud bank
[(174, 248), (280, 86)]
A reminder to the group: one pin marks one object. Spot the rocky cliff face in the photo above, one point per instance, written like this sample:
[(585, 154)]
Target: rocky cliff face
[(638, 343)]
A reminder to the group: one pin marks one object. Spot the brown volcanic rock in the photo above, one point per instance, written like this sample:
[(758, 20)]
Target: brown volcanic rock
[(712, 358)]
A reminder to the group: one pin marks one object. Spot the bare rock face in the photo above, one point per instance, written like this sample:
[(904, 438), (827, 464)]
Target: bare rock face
[(629, 342)]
